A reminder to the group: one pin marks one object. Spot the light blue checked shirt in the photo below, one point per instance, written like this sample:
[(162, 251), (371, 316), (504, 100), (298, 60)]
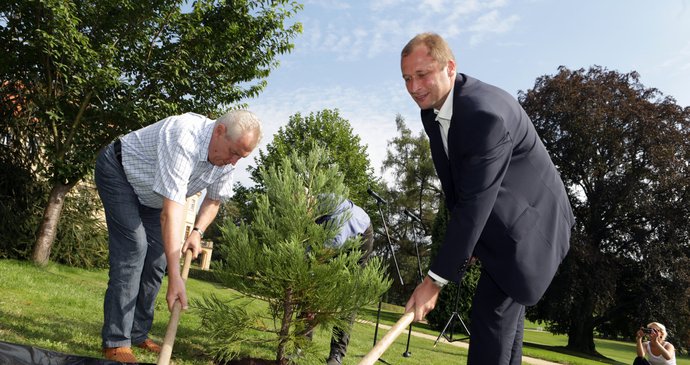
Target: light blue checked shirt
[(354, 221), (169, 159)]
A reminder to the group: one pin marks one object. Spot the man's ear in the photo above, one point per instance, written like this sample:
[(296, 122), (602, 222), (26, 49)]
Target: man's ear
[(451, 68), (219, 130)]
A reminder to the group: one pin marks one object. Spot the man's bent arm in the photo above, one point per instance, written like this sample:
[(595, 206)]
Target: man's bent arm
[(172, 218)]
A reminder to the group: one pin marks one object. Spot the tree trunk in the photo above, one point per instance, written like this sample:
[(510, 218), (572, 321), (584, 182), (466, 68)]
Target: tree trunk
[(49, 225), (581, 332), (288, 311)]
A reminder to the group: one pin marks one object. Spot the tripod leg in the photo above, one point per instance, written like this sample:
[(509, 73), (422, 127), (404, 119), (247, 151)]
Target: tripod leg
[(449, 336), (378, 319), (407, 352), (376, 331), (464, 326), (442, 334), (390, 245)]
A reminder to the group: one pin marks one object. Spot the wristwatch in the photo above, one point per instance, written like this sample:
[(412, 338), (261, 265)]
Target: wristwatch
[(201, 233)]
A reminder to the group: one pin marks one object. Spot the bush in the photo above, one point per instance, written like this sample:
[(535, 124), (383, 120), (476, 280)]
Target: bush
[(21, 202), (82, 237)]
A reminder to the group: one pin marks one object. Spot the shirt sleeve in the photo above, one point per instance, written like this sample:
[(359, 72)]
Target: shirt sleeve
[(175, 163), (221, 189), (437, 278), (355, 222)]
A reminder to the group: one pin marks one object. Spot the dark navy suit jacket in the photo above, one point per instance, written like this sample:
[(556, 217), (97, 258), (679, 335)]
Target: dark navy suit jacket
[(507, 202)]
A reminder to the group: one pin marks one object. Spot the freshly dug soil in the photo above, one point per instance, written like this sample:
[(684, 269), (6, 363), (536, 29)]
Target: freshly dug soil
[(252, 361)]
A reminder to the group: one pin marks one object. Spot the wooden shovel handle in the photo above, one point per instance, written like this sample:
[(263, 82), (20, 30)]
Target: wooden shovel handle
[(388, 339), (169, 341)]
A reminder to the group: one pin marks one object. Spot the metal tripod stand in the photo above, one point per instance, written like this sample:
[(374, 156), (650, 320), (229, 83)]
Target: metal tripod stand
[(451, 324), (414, 218), (380, 202)]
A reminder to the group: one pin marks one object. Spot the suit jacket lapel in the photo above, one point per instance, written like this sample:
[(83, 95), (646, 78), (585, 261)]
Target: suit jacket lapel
[(438, 154)]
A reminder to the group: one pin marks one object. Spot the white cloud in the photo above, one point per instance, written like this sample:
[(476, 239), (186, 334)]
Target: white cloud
[(463, 9), (679, 61), (328, 4), (497, 4), (378, 32), (380, 40), (312, 34), (491, 23), (384, 5), (331, 39), (435, 6)]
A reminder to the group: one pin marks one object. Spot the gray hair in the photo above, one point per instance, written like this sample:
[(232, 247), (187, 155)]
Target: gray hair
[(239, 122)]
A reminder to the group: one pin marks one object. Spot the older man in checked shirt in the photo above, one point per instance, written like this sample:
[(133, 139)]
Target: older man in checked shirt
[(143, 180)]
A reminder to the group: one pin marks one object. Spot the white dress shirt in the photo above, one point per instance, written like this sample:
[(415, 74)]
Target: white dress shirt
[(443, 117)]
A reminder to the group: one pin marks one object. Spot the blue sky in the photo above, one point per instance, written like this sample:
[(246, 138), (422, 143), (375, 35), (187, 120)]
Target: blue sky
[(347, 57)]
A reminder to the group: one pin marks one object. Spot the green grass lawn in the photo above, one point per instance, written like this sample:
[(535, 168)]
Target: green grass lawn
[(60, 308)]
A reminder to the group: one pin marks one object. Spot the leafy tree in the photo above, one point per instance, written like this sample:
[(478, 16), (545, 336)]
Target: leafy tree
[(21, 195), (341, 146), (282, 258), (328, 129), (408, 159), (81, 240), (623, 151), (88, 71), (416, 189)]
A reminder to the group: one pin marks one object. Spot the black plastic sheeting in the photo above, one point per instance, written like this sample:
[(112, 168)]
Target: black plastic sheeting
[(14, 354)]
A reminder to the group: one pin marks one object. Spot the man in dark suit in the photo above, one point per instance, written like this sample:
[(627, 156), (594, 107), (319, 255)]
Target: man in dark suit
[(508, 206)]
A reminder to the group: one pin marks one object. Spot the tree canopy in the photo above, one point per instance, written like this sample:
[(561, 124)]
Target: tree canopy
[(85, 72), (623, 151), (342, 146), (408, 159)]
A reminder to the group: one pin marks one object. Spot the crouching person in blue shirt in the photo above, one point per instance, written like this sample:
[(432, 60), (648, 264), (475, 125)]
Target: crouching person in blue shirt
[(355, 222)]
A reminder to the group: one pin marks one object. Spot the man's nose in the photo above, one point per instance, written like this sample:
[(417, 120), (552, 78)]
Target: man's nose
[(413, 85)]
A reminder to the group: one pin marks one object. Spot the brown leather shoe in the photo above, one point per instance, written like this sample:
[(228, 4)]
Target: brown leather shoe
[(119, 354), (148, 344)]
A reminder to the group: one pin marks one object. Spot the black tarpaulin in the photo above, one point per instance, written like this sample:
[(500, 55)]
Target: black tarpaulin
[(14, 354)]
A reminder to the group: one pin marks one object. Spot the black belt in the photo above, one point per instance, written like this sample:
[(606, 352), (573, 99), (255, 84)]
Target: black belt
[(117, 148)]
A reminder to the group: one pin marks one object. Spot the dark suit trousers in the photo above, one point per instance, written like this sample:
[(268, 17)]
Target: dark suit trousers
[(497, 326)]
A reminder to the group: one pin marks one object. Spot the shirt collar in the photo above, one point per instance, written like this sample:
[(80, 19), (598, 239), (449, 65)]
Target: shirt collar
[(446, 111)]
